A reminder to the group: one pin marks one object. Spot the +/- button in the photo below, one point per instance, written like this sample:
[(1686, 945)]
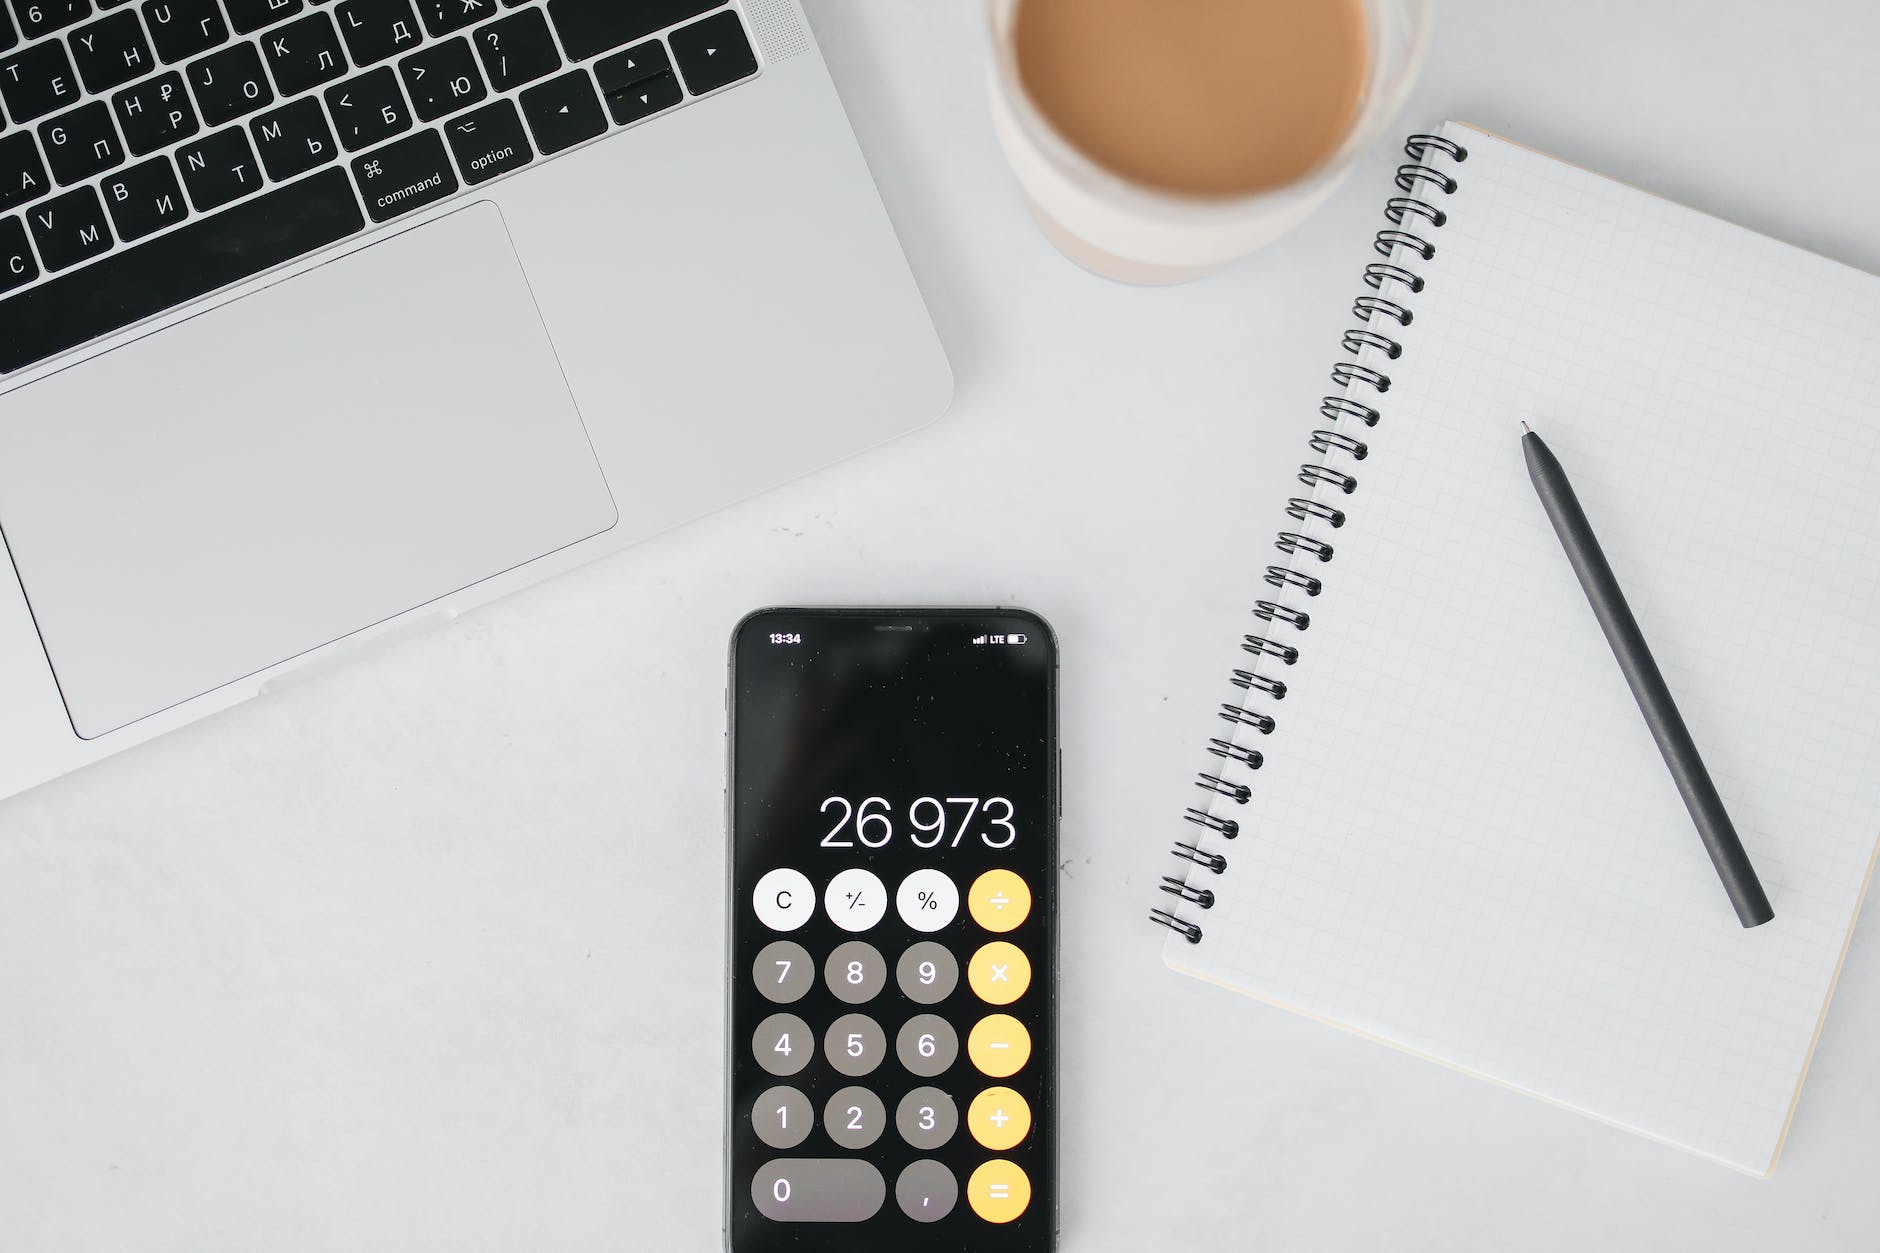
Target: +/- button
[(999, 1118), (998, 1191), (999, 973), (999, 900), (855, 899), (999, 1045)]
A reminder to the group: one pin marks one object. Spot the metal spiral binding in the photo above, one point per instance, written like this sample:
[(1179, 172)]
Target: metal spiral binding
[(1420, 181)]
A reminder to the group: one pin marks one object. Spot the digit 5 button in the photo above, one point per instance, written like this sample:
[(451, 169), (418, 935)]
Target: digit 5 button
[(999, 973), (999, 900), (784, 899)]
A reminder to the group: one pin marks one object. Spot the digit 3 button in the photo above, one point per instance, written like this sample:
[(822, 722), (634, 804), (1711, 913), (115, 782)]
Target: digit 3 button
[(999, 1045), (999, 973), (998, 900), (927, 899), (784, 899), (998, 1191), (999, 1119), (855, 899)]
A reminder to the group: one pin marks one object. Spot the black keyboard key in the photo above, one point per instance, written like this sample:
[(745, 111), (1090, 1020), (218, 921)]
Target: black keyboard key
[(230, 84), (489, 142), (36, 81), (404, 176), (17, 267), (443, 17), (304, 54), (563, 112), (591, 27), (376, 29), (8, 36), (68, 229), (219, 168), (442, 79), (155, 113), (42, 17), (111, 51), (635, 65), (182, 28), (517, 50), (190, 261), (368, 109), (644, 98), (713, 53), (81, 143), (23, 175), (293, 139), (249, 16), (144, 199)]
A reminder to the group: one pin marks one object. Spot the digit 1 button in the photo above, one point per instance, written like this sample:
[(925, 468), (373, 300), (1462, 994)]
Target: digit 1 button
[(998, 900), (784, 899), (998, 1191), (783, 973), (782, 1117), (927, 973), (855, 899), (999, 973), (926, 1191), (999, 1045), (855, 972), (999, 1118), (928, 900), (783, 1044)]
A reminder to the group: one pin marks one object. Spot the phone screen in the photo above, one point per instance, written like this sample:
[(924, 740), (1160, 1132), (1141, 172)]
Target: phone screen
[(893, 822)]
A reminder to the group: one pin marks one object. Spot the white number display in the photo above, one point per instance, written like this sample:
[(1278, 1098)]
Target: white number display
[(992, 819), (855, 1118), (927, 1120), (782, 1045), (928, 972), (926, 1046), (856, 1047), (781, 1190), (783, 1117), (856, 974), (783, 969)]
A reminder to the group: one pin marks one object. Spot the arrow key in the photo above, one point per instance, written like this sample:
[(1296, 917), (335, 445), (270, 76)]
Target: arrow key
[(713, 52), (564, 111), (635, 65), (643, 99)]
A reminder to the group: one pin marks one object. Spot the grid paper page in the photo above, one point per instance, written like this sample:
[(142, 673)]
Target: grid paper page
[(1464, 841)]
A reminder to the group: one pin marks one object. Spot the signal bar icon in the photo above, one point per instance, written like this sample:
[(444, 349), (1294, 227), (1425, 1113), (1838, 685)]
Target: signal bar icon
[(979, 639)]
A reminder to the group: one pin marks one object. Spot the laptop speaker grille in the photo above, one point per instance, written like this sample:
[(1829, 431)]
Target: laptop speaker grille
[(779, 28)]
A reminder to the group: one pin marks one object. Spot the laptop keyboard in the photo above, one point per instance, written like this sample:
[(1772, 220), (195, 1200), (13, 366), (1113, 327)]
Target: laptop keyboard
[(154, 152)]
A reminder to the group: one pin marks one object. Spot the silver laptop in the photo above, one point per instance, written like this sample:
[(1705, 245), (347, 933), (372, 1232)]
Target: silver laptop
[(319, 321)]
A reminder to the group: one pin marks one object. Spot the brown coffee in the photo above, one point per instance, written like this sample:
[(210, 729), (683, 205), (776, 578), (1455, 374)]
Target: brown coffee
[(1200, 97)]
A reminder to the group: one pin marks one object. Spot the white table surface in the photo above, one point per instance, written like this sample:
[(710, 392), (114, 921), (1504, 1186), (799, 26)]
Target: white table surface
[(425, 953)]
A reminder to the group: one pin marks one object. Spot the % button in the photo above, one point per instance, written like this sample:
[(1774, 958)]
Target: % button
[(927, 900)]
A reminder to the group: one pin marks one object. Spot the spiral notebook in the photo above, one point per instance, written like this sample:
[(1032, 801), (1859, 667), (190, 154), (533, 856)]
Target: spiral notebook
[(1428, 809)]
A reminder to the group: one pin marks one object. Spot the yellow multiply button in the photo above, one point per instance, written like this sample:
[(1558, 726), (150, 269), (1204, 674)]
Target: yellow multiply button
[(998, 900), (999, 973), (998, 1191), (999, 1118), (999, 1045)]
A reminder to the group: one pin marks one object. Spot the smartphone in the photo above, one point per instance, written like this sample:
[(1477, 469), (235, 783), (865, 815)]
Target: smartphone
[(892, 969)]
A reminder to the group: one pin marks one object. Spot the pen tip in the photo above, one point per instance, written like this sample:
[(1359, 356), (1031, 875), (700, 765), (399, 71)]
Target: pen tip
[(1526, 429)]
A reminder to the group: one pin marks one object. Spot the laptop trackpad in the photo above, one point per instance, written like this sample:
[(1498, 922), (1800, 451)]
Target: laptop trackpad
[(291, 467)]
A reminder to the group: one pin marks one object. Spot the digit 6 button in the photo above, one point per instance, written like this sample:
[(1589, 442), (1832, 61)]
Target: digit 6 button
[(999, 973)]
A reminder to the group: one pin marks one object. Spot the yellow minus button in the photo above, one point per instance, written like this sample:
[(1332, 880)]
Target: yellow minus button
[(999, 1045), (998, 1191), (998, 900)]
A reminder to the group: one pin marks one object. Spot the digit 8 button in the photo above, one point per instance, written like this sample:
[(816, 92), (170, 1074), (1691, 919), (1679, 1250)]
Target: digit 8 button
[(999, 900), (999, 973)]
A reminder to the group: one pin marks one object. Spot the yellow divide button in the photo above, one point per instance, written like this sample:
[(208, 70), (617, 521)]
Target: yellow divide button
[(999, 973), (998, 900), (999, 1118), (999, 1045), (998, 1191)]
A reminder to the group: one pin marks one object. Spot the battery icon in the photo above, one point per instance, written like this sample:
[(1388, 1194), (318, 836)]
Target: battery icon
[(1015, 639)]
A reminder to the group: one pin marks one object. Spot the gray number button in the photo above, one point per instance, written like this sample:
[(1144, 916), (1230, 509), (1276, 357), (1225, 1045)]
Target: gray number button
[(855, 1118), (783, 971), (927, 972), (927, 1045), (783, 1044), (818, 1190), (855, 972), (926, 1191), (927, 1118), (782, 1117), (855, 1044)]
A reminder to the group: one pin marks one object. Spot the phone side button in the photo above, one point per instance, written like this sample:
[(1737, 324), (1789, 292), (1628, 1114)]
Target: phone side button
[(818, 1190)]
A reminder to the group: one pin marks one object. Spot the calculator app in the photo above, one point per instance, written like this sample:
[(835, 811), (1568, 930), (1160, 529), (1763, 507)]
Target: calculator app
[(893, 937)]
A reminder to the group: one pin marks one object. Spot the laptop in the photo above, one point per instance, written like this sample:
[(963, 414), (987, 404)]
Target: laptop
[(323, 321)]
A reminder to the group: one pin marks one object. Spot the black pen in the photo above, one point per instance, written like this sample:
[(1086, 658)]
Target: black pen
[(1647, 684)]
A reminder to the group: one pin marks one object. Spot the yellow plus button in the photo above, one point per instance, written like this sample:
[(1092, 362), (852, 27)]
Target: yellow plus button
[(999, 1118), (998, 900)]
